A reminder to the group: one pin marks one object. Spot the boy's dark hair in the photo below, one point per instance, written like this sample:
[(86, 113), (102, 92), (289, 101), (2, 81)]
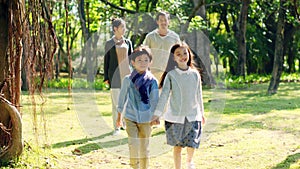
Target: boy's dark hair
[(162, 13), (140, 50), (116, 22)]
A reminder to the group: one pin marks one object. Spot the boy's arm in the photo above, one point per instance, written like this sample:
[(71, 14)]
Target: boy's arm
[(154, 96)]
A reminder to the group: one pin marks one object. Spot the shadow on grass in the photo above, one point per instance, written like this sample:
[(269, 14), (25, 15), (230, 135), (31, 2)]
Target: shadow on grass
[(290, 160), (93, 145), (80, 141), (246, 124), (101, 145)]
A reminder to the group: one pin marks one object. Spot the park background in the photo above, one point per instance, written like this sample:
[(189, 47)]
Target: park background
[(51, 57)]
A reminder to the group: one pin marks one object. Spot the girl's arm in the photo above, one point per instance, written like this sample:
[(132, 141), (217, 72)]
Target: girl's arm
[(200, 98), (154, 96), (164, 97)]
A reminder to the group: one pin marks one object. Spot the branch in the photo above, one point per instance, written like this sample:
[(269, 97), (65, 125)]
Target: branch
[(222, 2), (2, 85), (191, 16), (296, 10), (118, 7)]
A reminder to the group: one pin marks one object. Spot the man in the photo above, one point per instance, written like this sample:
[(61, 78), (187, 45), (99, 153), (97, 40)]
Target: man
[(160, 41)]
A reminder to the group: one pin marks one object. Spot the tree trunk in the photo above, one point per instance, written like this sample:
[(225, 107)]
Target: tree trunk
[(4, 116), (200, 44), (14, 145), (87, 49), (3, 42), (11, 17), (289, 46), (240, 35), (271, 26), (68, 46), (278, 58)]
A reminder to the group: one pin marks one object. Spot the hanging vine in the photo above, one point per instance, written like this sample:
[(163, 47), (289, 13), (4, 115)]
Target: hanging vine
[(39, 59), (31, 38)]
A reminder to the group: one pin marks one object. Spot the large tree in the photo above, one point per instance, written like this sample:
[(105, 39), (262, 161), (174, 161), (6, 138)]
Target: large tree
[(278, 58), (36, 46), (11, 51), (200, 44), (239, 29)]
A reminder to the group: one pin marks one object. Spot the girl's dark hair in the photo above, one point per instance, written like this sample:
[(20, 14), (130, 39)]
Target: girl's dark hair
[(116, 22), (162, 13), (140, 50), (171, 62)]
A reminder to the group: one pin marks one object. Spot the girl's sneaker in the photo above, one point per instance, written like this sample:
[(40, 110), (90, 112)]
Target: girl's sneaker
[(191, 165), (116, 132)]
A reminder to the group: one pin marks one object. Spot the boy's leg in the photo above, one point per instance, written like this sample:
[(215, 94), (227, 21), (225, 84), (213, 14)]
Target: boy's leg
[(133, 143), (144, 136)]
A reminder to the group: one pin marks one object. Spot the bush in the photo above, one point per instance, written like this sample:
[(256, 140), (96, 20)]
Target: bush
[(78, 83), (236, 82)]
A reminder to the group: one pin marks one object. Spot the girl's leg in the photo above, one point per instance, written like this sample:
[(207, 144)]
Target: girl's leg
[(189, 160), (177, 156)]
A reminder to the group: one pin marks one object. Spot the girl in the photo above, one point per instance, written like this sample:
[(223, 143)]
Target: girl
[(116, 63), (140, 91), (185, 112)]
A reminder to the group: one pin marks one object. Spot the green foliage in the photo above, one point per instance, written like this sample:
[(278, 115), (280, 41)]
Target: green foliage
[(32, 157), (197, 23), (60, 83), (219, 24), (232, 82), (241, 82), (77, 83), (290, 77)]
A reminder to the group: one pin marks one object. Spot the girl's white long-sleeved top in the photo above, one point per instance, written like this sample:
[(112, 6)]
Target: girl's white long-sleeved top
[(183, 90)]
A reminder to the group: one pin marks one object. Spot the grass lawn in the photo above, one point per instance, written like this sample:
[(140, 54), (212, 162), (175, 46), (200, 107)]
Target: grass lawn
[(246, 129)]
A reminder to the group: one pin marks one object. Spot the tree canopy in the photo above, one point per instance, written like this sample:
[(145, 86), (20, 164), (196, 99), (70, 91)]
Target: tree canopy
[(249, 37), (219, 24)]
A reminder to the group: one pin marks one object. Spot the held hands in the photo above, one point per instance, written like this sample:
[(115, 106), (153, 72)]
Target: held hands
[(119, 120), (107, 82), (155, 120)]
